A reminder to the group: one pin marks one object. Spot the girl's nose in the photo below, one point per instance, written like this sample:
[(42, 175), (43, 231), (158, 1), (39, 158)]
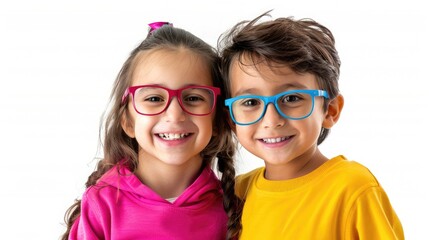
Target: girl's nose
[(272, 119), (174, 111)]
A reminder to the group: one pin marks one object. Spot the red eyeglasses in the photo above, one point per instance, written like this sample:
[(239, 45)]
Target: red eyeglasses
[(150, 100)]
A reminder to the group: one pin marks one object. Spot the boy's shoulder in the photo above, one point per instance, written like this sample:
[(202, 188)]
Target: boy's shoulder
[(244, 181), (350, 173)]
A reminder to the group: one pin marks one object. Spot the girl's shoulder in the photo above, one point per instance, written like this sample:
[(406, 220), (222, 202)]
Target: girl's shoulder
[(115, 179)]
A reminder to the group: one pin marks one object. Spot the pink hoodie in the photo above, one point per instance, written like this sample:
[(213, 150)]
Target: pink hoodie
[(119, 206)]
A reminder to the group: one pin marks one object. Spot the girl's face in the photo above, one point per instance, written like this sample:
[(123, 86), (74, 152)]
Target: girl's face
[(277, 140), (173, 137)]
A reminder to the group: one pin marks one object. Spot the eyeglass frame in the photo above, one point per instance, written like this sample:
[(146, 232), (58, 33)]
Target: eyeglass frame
[(273, 99), (171, 93)]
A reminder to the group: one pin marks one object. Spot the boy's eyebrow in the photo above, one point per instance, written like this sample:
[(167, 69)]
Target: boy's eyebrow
[(256, 91), (252, 91)]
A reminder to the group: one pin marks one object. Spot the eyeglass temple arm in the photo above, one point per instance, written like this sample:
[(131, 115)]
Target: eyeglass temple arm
[(323, 93), (124, 97)]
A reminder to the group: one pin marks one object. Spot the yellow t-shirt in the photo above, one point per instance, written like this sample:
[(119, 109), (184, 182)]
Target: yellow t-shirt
[(339, 200)]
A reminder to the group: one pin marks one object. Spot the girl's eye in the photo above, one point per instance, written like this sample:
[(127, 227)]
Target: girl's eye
[(193, 99), (153, 99)]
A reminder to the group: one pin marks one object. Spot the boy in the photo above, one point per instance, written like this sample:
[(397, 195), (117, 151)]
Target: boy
[(281, 78)]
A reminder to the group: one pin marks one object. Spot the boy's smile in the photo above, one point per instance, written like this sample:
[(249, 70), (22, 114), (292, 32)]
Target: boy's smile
[(285, 145), (275, 141)]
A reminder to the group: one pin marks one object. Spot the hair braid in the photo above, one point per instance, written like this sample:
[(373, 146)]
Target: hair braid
[(231, 202)]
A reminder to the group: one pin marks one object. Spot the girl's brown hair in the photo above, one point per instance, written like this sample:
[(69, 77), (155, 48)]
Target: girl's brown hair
[(304, 45), (118, 146)]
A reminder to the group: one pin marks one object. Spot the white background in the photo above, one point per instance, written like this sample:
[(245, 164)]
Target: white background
[(59, 59)]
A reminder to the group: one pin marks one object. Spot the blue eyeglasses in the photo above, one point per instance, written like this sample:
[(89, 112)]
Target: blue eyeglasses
[(294, 104)]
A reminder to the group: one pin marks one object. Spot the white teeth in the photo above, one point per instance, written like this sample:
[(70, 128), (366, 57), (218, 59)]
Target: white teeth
[(273, 140), (173, 136)]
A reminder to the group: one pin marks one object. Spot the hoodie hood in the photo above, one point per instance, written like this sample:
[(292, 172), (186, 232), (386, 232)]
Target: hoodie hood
[(120, 206), (206, 186)]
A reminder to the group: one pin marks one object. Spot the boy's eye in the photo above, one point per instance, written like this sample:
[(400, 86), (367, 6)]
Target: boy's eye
[(249, 102), (290, 98)]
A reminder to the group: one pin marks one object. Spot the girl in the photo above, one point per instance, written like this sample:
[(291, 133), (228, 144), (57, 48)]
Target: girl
[(156, 181), (282, 80)]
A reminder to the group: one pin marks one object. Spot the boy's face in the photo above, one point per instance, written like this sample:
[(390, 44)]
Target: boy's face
[(277, 140)]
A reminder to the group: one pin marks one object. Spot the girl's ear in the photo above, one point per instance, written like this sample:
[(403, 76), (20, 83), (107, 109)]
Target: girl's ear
[(333, 112), (127, 124)]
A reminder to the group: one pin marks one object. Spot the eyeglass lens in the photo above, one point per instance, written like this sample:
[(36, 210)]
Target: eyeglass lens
[(154, 100), (294, 106)]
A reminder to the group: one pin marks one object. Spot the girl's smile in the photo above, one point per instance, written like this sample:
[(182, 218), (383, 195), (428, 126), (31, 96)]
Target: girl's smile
[(174, 139), (173, 136)]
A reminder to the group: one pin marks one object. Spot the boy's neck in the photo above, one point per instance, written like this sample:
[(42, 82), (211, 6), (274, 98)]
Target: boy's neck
[(295, 168)]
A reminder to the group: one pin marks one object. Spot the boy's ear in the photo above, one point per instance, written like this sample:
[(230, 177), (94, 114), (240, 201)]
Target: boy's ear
[(127, 125), (333, 112)]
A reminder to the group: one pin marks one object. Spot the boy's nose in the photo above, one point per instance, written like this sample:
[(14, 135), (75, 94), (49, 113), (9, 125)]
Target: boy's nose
[(174, 111), (272, 119)]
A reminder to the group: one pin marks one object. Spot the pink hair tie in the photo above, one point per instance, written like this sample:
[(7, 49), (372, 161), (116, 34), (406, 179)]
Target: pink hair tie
[(155, 25)]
